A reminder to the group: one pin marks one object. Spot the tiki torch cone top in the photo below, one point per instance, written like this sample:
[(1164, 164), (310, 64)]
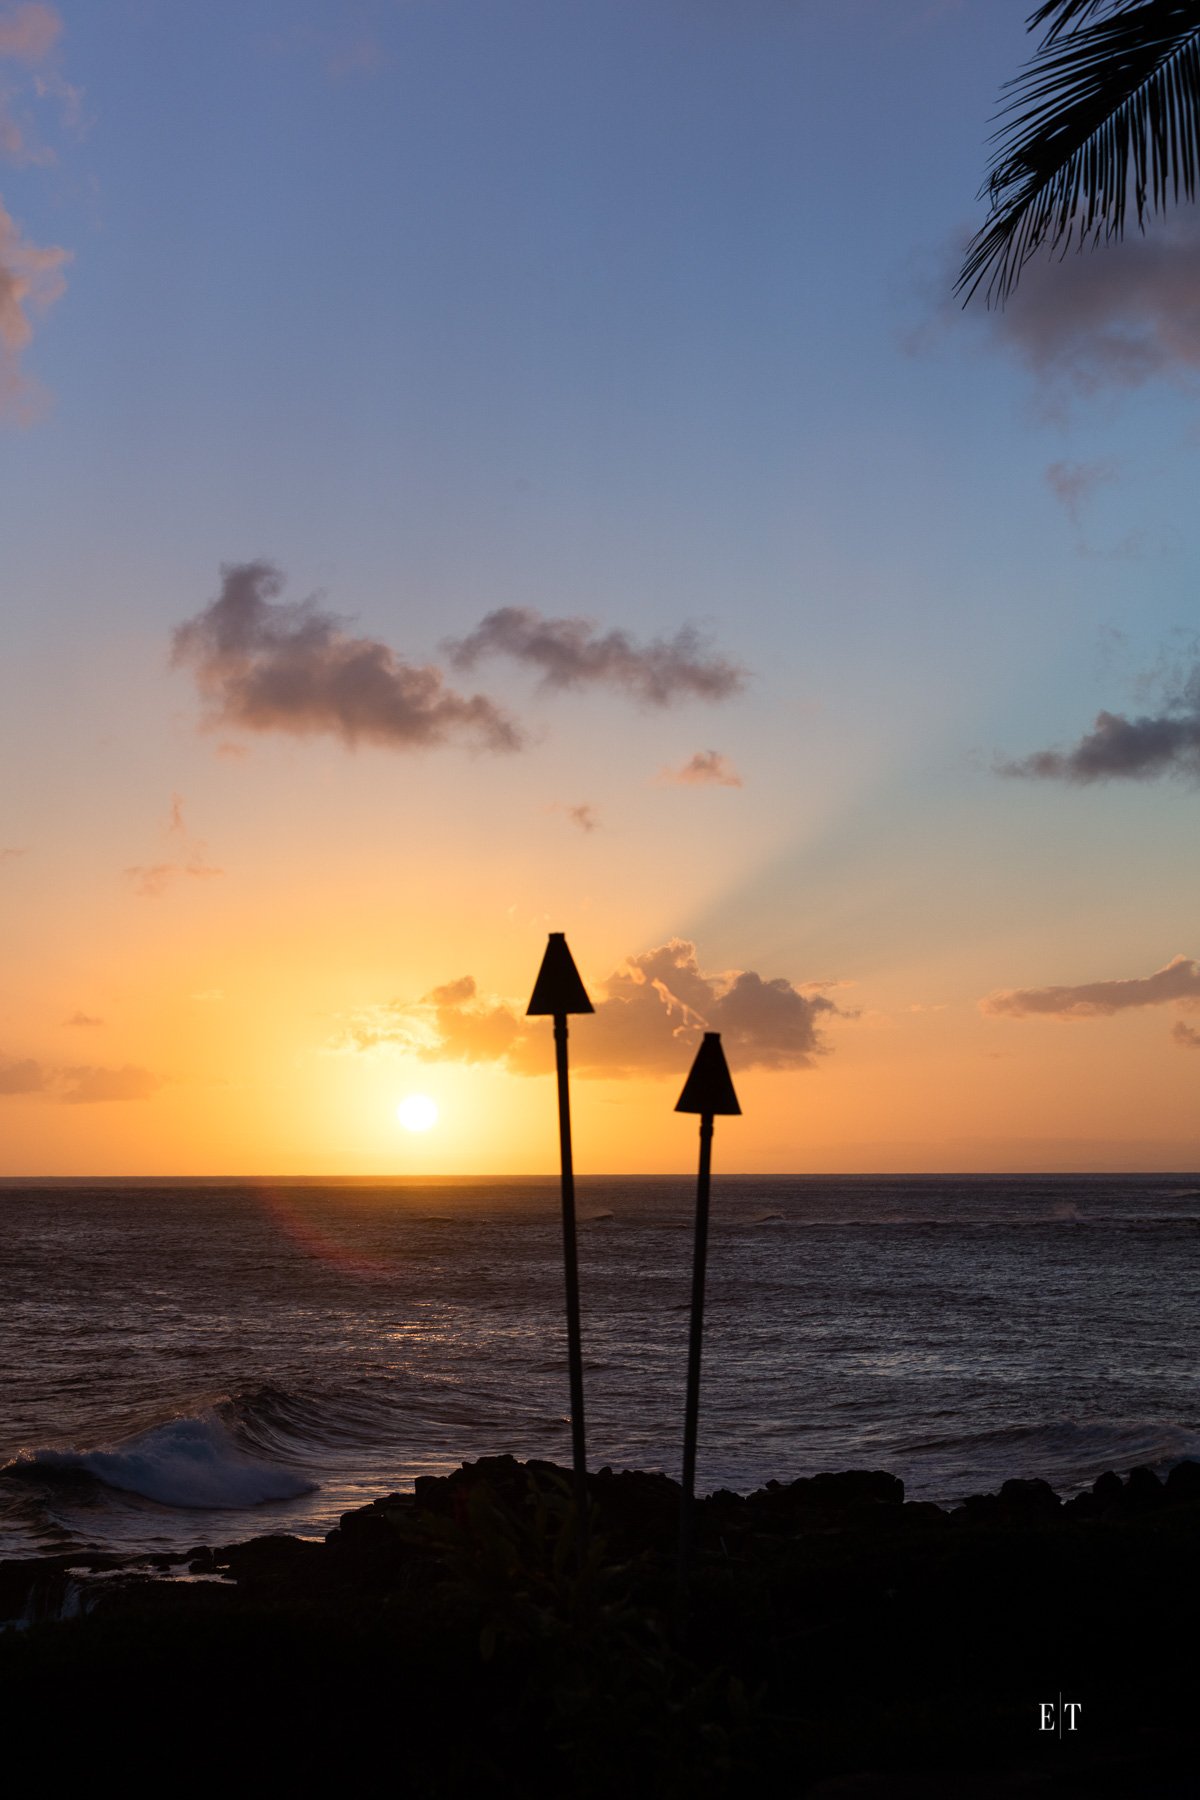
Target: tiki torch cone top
[(558, 988), (709, 1086)]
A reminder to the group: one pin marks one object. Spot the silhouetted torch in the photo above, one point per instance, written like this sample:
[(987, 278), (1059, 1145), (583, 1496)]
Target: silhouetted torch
[(708, 1090), (559, 991)]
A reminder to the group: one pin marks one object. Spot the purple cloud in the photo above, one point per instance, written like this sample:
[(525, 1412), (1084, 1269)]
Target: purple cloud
[(1177, 980), (574, 653), (290, 667)]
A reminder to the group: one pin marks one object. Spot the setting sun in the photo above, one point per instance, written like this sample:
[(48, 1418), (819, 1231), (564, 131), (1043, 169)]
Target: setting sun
[(417, 1112)]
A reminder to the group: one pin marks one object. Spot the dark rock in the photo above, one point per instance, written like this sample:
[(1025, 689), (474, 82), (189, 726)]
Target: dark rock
[(1143, 1490), (853, 1486), (639, 1507), (504, 1475), (1108, 1489), (841, 1493), (1183, 1482), (977, 1509), (1029, 1497), (923, 1514), (374, 1524), (276, 1558)]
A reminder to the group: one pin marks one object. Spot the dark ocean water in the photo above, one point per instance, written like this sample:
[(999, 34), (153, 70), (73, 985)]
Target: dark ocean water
[(202, 1361)]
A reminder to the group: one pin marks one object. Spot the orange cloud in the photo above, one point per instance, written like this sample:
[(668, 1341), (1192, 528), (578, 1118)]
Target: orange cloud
[(87, 1086), (151, 880), (649, 1021), (25, 1077), (78, 1085), (707, 768)]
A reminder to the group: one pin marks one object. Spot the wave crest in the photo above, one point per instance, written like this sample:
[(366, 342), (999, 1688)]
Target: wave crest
[(186, 1462)]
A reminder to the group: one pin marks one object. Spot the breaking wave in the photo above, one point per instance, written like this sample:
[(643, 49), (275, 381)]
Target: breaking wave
[(186, 1462)]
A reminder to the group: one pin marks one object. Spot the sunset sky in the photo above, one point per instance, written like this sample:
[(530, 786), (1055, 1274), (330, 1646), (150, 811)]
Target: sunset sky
[(480, 467)]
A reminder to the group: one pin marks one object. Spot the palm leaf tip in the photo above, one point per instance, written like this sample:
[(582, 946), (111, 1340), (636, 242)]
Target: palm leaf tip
[(1110, 105)]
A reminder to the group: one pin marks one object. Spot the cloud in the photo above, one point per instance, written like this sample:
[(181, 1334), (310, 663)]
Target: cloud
[(1185, 1036), (1178, 980), (77, 1085), (31, 280), (1117, 316), (27, 1077), (649, 1020), (584, 815), (449, 1024), (87, 1085), (152, 880), (29, 33), (292, 668), (1162, 743), (10, 851), (572, 653), (707, 768), (82, 1018), (1073, 483)]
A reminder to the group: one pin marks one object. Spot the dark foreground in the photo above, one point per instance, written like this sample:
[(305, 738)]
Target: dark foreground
[(837, 1643)]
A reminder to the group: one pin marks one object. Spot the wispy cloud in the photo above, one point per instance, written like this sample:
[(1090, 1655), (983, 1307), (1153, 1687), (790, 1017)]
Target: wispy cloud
[(31, 280), (9, 852), (585, 816), (576, 653), (1072, 483), (80, 1084), (647, 1021), (31, 275), (29, 33), (288, 666), (1118, 316), (1166, 742), (21, 1077), (707, 768), (82, 1018), (152, 880), (1186, 1036), (1176, 981), (86, 1086)]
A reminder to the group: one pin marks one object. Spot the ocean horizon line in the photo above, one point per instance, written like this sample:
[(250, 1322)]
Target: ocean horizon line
[(551, 1179)]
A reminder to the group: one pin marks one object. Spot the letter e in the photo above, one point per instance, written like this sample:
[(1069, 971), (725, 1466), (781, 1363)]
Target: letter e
[(1047, 1716)]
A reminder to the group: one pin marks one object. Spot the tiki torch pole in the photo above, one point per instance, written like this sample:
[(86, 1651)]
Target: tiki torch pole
[(558, 991), (707, 1091)]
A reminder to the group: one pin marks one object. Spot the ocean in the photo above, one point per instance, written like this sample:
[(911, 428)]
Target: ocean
[(190, 1362)]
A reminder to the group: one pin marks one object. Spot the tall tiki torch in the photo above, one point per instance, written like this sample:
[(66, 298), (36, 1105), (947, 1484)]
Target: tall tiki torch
[(559, 991), (708, 1090)]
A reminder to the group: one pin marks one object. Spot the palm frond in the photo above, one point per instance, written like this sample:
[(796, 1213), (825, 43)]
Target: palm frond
[(1063, 13), (1110, 106)]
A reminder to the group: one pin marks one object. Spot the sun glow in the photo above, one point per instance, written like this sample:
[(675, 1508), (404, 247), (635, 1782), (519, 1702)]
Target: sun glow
[(417, 1112)]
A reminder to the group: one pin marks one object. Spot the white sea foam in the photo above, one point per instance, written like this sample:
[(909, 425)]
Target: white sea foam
[(192, 1462)]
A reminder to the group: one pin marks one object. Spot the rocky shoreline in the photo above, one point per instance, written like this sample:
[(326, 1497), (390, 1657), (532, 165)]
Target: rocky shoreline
[(836, 1639)]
